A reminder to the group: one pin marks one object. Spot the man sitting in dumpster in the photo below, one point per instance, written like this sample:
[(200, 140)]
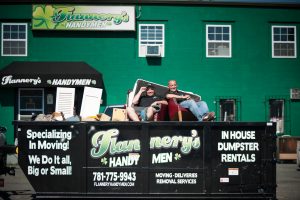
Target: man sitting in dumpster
[(199, 108), (145, 104)]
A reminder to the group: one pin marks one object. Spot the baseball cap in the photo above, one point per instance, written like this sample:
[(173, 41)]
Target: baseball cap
[(149, 86)]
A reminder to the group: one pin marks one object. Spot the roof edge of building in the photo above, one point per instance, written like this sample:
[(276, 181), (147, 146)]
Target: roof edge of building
[(160, 2)]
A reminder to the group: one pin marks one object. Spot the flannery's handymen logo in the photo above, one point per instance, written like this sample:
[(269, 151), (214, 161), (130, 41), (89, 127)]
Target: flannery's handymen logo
[(104, 142), (68, 14), (67, 17), (9, 80)]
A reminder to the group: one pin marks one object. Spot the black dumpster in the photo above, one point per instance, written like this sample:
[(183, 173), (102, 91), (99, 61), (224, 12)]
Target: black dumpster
[(149, 159)]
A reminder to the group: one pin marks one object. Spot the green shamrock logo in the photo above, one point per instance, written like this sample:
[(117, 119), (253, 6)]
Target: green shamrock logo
[(177, 156), (104, 161), (49, 17), (42, 17)]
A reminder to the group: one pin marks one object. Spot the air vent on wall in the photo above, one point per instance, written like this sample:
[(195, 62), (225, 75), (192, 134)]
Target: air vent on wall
[(295, 93)]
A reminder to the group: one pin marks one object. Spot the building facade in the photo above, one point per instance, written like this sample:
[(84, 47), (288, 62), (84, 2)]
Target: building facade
[(243, 59)]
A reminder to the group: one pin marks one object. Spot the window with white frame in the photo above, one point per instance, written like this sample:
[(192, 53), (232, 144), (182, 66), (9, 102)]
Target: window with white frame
[(31, 101), (151, 40), (14, 39), (284, 42), (276, 113), (218, 40)]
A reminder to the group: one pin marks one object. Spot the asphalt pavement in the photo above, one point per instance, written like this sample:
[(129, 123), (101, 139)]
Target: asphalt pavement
[(288, 184)]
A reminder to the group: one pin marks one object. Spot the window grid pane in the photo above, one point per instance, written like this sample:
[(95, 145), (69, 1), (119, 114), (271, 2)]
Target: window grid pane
[(14, 39), (218, 33), (218, 40), (31, 100), (218, 48), (284, 44), (152, 34)]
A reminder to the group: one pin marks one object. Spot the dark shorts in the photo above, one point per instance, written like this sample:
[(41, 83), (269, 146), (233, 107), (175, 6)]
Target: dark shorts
[(141, 111)]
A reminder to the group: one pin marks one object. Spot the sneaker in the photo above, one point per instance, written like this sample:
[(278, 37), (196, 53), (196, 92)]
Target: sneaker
[(210, 116)]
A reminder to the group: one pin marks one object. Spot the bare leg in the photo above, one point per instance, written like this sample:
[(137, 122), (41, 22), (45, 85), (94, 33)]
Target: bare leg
[(132, 114), (150, 113)]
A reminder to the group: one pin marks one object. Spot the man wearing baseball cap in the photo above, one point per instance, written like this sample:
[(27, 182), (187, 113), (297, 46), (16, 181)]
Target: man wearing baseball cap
[(145, 104)]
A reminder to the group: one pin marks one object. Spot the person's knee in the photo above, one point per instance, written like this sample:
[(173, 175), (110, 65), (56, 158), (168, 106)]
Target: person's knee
[(203, 106), (202, 103), (150, 112), (191, 103)]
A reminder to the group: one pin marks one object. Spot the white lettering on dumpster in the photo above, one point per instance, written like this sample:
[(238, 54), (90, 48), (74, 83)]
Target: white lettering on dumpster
[(123, 161), (238, 146), (176, 178), (49, 152)]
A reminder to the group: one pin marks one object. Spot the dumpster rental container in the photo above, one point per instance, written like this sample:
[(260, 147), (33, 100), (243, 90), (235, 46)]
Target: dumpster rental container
[(149, 159)]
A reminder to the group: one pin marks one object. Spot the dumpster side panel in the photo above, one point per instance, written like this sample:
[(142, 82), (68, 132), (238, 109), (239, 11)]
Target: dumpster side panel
[(115, 159), (176, 158), (52, 155), (243, 159), (145, 160)]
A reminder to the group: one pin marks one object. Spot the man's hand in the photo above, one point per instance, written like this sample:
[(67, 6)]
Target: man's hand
[(156, 106), (187, 97), (136, 98), (143, 89), (156, 103)]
